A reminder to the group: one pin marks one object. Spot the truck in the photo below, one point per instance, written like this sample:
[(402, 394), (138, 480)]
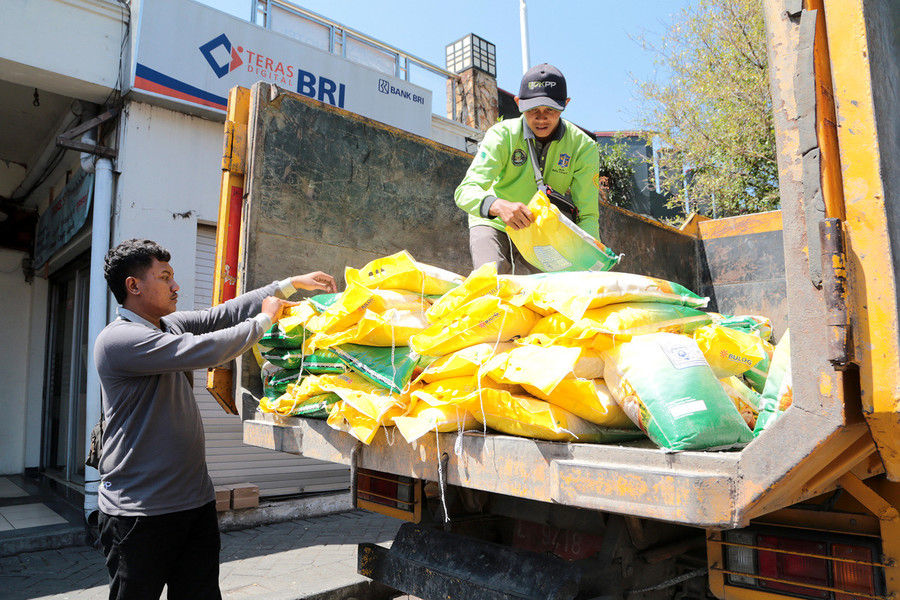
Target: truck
[(809, 509)]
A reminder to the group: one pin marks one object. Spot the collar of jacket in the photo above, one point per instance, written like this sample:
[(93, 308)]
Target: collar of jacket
[(132, 316)]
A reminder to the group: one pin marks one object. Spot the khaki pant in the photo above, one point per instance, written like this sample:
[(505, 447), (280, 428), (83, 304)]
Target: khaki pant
[(492, 245)]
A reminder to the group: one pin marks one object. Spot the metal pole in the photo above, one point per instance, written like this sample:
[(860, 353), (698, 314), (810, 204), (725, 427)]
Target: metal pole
[(97, 312), (523, 27)]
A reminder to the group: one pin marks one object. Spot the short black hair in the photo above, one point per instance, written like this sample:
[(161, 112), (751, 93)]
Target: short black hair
[(130, 258)]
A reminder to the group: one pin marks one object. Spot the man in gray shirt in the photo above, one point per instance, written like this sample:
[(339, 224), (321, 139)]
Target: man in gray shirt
[(157, 504)]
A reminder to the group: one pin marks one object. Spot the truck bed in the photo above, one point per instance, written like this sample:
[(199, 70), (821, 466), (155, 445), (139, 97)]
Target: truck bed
[(328, 189)]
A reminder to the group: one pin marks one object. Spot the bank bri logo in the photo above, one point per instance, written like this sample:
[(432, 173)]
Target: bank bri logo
[(221, 70)]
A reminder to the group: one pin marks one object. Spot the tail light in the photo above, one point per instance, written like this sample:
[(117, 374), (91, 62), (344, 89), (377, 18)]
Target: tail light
[(795, 562), (853, 576), (389, 494), (825, 567)]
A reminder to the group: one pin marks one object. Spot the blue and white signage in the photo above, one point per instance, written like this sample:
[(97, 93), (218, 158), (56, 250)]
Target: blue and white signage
[(190, 53)]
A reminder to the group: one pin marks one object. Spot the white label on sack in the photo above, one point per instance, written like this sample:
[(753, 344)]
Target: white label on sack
[(550, 258), (682, 352), (686, 406)]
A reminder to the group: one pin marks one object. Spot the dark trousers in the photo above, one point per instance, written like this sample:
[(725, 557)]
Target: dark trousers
[(178, 549), (492, 245)]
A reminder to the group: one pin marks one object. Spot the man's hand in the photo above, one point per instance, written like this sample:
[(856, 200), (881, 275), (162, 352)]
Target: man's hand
[(274, 307), (514, 214), (317, 280)]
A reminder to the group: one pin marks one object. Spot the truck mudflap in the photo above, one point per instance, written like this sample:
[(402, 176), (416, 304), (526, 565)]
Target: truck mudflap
[(432, 564)]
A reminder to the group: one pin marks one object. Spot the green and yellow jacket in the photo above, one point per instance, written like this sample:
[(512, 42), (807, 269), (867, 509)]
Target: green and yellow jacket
[(502, 169)]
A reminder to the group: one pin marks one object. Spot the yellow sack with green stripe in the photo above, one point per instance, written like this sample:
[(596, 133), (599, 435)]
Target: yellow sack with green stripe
[(522, 415), (393, 327), (542, 368), (356, 301), (401, 272), (599, 328), (554, 243), (572, 294), (732, 352), (485, 319), (483, 281), (462, 362), (424, 418)]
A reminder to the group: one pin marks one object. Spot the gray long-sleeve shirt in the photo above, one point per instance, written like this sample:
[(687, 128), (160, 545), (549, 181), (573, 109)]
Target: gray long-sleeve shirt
[(154, 457)]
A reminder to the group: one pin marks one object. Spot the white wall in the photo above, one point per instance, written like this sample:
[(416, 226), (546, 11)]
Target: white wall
[(171, 168), (15, 391), (69, 47)]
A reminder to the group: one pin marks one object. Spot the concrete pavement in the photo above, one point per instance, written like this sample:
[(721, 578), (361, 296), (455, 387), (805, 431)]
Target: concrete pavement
[(312, 558)]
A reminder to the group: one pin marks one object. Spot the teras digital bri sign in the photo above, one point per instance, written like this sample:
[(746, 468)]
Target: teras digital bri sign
[(197, 65)]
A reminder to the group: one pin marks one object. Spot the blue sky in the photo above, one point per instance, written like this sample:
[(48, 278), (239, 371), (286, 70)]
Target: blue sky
[(591, 41)]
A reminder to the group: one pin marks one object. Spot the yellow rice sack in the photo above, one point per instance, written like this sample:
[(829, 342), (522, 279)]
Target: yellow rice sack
[(424, 418), (463, 362), (343, 417), (574, 293), (483, 281), (600, 328), (589, 399), (401, 272), (521, 415), (299, 314), (731, 352), (392, 328), (452, 390), (352, 304), (363, 408), (554, 243), (485, 319), (456, 390), (542, 367)]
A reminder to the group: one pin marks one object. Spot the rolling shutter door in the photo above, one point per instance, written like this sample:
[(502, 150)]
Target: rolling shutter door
[(228, 458)]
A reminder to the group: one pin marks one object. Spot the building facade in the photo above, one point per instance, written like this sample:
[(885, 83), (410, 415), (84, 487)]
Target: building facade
[(112, 116)]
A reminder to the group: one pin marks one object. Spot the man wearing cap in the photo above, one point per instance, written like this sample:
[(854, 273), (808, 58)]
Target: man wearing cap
[(501, 179)]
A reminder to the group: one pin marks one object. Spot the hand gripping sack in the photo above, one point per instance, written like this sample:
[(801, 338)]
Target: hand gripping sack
[(664, 384), (401, 272), (485, 319), (554, 243)]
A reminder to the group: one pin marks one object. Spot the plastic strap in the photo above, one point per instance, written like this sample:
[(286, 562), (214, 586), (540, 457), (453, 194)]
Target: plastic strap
[(538, 177)]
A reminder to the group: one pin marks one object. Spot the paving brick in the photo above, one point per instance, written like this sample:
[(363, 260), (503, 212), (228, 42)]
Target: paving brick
[(314, 554)]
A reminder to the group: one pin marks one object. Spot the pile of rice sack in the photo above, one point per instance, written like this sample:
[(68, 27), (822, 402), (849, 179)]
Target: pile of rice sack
[(569, 356)]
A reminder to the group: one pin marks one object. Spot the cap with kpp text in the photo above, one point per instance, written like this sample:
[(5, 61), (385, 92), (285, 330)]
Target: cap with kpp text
[(542, 85)]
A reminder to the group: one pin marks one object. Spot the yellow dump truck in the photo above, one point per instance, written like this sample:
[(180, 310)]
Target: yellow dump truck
[(809, 509)]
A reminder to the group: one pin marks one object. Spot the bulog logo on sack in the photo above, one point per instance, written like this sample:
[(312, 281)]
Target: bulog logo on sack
[(385, 87), (270, 69)]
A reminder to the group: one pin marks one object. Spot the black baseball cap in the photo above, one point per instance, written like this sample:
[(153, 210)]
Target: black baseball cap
[(542, 85)]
